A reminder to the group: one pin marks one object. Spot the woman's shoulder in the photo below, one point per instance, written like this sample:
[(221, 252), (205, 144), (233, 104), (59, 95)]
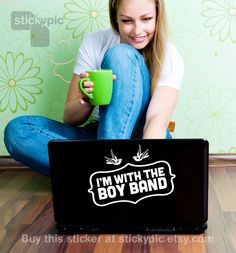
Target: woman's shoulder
[(172, 53), (173, 68)]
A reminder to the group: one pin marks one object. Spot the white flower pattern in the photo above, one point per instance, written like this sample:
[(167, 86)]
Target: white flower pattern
[(212, 114), (221, 18)]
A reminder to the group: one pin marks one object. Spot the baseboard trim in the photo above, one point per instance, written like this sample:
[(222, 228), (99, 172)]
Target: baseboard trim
[(8, 163), (215, 160), (224, 160)]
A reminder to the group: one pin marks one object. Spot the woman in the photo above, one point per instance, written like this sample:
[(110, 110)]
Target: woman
[(148, 72)]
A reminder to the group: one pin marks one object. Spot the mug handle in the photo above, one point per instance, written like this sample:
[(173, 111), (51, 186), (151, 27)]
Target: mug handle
[(80, 84)]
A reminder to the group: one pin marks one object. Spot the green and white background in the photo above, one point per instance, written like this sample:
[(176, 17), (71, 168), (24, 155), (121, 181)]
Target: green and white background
[(34, 80)]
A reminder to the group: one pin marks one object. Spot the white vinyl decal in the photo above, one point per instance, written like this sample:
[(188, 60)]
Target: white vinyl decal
[(131, 182)]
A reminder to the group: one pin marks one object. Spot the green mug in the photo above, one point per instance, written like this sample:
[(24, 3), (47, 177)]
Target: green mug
[(102, 86)]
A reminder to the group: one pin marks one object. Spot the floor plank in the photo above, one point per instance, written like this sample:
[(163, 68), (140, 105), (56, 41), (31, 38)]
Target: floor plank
[(26, 213), (225, 188)]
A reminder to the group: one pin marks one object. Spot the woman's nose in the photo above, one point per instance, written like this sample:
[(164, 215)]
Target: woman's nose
[(137, 29)]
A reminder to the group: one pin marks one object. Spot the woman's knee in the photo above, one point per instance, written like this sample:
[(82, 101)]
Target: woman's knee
[(11, 132), (122, 54), (121, 50), (16, 128), (14, 125)]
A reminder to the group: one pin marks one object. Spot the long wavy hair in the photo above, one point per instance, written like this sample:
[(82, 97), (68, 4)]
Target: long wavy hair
[(154, 52)]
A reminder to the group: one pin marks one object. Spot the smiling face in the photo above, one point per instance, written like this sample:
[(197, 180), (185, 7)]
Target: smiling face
[(137, 22)]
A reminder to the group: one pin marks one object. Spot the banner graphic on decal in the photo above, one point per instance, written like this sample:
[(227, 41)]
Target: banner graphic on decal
[(131, 182)]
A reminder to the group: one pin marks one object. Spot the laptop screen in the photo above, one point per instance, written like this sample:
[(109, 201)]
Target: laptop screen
[(129, 183)]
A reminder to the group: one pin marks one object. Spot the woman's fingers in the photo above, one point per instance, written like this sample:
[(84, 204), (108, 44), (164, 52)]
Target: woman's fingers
[(89, 89), (81, 101), (83, 75), (87, 84)]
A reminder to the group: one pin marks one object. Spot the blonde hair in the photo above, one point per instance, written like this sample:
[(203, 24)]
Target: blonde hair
[(154, 52)]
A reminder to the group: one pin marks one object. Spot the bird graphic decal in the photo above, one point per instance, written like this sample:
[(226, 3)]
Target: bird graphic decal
[(140, 156), (113, 160)]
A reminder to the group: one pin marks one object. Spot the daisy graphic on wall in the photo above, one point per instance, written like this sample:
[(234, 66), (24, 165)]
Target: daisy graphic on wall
[(183, 29), (221, 18), (86, 16), (211, 114), (19, 82)]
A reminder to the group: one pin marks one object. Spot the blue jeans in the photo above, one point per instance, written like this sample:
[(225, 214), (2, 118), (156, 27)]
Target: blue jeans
[(26, 137)]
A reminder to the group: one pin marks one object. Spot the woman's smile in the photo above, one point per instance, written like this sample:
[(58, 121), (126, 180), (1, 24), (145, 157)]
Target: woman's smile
[(138, 39)]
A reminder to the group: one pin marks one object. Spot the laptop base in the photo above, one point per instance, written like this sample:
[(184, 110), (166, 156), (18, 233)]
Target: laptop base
[(79, 229)]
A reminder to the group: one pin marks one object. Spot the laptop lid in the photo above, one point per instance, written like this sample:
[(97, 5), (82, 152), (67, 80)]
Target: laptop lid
[(130, 186)]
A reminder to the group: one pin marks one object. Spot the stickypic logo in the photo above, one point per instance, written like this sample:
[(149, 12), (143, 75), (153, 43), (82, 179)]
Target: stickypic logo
[(38, 26), (131, 182)]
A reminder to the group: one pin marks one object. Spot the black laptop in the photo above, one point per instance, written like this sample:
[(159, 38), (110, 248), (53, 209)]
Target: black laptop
[(130, 186)]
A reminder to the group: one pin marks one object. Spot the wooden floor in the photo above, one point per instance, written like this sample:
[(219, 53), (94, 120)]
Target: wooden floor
[(26, 220)]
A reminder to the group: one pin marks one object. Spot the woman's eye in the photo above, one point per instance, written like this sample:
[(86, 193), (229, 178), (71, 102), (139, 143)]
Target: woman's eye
[(148, 19), (126, 21)]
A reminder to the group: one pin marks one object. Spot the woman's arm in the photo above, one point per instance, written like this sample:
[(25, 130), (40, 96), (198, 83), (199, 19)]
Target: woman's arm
[(76, 110), (159, 112)]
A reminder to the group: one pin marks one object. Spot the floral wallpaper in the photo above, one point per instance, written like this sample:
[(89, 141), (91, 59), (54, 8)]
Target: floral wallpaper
[(39, 43), (19, 82), (220, 18)]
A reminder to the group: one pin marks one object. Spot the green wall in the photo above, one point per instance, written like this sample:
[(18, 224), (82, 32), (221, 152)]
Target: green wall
[(36, 62)]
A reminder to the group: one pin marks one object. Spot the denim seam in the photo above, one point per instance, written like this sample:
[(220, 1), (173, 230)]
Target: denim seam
[(129, 110), (146, 80), (43, 132), (132, 103)]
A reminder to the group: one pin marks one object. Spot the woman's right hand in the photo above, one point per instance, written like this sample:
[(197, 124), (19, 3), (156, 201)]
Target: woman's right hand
[(88, 87), (77, 108)]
